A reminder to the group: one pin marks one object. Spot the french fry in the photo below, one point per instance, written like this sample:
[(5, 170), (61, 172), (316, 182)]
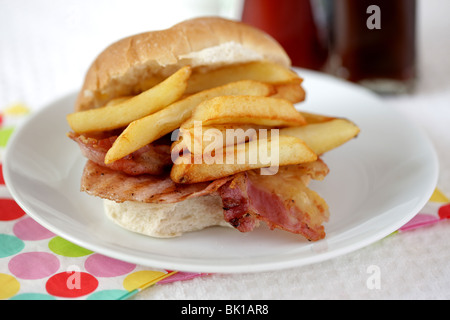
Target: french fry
[(150, 128), (291, 91), (315, 118), (260, 71), (324, 136), (116, 101), (218, 136), (285, 151), (245, 109), (121, 114)]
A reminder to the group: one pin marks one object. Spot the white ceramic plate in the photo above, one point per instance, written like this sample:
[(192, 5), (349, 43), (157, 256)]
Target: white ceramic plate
[(377, 183)]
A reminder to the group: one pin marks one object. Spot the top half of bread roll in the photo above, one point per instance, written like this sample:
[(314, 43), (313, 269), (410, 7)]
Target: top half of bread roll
[(136, 63)]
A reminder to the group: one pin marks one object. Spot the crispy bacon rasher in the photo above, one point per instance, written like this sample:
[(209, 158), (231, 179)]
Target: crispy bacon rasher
[(151, 159), (282, 201)]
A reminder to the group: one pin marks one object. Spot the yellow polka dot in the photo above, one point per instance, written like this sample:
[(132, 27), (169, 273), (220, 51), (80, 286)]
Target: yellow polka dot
[(9, 286), (438, 196), (137, 279), (17, 109)]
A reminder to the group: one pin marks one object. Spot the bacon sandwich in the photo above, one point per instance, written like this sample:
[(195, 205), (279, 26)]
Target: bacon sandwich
[(140, 101)]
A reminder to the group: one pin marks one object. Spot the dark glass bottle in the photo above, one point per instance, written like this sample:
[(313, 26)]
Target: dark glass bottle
[(374, 43)]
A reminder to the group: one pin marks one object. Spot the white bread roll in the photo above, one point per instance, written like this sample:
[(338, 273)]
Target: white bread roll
[(167, 220), (138, 62)]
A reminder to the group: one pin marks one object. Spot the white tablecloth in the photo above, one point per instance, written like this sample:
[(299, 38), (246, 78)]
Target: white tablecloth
[(46, 47)]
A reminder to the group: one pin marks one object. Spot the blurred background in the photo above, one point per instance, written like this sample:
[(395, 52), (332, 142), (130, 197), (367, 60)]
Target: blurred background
[(46, 46)]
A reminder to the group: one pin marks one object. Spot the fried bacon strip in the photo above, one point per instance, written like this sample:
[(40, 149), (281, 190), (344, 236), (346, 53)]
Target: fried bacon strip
[(282, 201), (114, 185), (150, 159)]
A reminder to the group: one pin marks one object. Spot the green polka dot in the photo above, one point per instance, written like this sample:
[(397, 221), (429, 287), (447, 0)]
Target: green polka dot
[(33, 296), (107, 295), (66, 248), (10, 245), (5, 134)]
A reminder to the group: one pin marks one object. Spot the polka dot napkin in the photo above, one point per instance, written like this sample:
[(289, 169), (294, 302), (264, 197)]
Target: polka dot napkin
[(37, 264)]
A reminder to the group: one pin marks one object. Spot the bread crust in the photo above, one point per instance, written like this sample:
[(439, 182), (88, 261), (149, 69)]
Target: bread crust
[(136, 63)]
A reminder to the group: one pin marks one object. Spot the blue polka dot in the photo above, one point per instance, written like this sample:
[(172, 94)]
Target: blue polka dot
[(107, 295), (10, 245)]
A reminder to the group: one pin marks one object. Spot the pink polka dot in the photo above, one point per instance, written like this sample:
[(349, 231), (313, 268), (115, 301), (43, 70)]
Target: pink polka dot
[(28, 229), (33, 265), (420, 220), (102, 266)]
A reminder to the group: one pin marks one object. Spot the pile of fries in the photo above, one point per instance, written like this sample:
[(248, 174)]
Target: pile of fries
[(249, 97)]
